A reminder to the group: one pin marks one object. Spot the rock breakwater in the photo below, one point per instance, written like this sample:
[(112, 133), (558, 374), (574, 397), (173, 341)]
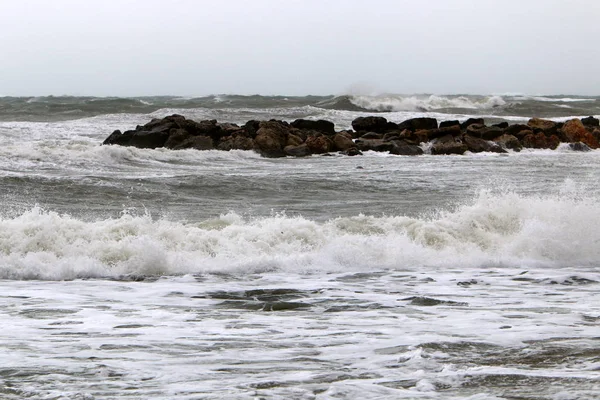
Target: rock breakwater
[(302, 137)]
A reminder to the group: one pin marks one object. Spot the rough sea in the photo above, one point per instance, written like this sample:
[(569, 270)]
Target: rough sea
[(131, 273)]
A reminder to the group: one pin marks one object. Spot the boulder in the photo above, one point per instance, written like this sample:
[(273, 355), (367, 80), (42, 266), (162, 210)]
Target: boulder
[(342, 141), (516, 130), (319, 144), (353, 151), (478, 145), (575, 131), (484, 132), (297, 151), (176, 137), (501, 125), (371, 124), (148, 140), (321, 125), (578, 146), (416, 124), (446, 124), (195, 142), (472, 121), (119, 138), (431, 134), (251, 127), (509, 142), (545, 125), (540, 141), (590, 121), (402, 148), (271, 138), (448, 144), (372, 135), (237, 141), (294, 140), (374, 145)]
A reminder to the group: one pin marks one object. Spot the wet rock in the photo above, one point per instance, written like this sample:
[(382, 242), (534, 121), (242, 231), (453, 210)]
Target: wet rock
[(148, 140), (237, 141), (518, 130), (484, 132), (297, 151), (578, 146), (509, 142), (448, 145), (401, 148), (195, 142), (353, 151), (501, 125), (547, 126), (374, 145), (415, 124), (372, 135), (271, 138), (540, 141), (326, 127), (590, 121), (372, 124), (446, 124), (319, 144), (472, 121), (477, 145), (575, 131), (343, 141), (294, 140)]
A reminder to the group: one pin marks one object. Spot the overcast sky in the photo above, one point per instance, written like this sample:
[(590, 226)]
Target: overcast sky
[(298, 47)]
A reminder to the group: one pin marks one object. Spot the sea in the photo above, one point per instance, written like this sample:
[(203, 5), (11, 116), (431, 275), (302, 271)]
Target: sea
[(132, 273)]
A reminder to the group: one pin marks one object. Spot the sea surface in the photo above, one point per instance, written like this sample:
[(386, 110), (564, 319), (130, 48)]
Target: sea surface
[(156, 274)]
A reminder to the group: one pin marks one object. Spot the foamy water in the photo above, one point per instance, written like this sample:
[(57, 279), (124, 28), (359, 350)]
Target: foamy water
[(131, 273)]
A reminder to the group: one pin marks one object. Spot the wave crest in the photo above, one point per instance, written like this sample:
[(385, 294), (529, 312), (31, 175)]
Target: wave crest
[(494, 230)]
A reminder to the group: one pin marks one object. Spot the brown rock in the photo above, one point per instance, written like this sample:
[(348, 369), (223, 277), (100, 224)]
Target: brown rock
[(294, 140), (540, 141), (478, 145), (342, 141), (448, 145), (271, 138), (472, 121), (575, 131), (297, 151), (319, 144), (484, 132), (549, 127), (374, 145), (509, 142), (237, 141)]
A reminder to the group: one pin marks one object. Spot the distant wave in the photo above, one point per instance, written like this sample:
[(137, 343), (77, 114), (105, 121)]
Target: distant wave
[(492, 230), (56, 108), (430, 103)]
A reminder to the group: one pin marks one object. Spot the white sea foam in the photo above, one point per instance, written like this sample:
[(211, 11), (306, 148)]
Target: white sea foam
[(494, 230), (431, 103)]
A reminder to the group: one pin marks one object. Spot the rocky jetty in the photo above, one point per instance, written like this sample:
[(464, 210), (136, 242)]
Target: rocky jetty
[(304, 137)]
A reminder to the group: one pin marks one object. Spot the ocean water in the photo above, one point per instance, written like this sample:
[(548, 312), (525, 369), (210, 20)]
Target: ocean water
[(156, 274)]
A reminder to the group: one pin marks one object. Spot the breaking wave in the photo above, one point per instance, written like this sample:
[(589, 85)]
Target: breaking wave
[(493, 230), (390, 103)]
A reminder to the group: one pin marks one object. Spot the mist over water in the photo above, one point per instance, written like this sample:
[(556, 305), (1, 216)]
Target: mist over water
[(135, 273)]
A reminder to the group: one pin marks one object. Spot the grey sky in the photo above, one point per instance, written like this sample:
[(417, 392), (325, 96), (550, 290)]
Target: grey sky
[(297, 47)]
